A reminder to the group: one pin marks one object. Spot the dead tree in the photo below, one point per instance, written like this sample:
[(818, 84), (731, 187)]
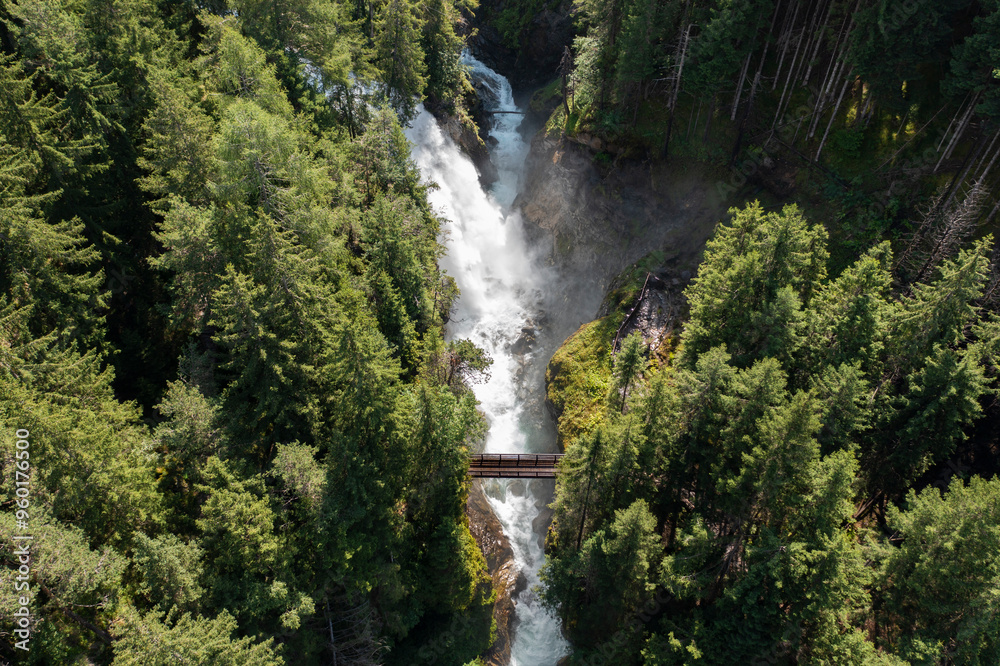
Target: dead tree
[(352, 629), (942, 232)]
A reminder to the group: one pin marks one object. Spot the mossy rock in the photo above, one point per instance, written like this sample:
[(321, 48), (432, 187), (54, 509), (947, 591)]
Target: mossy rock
[(578, 378)]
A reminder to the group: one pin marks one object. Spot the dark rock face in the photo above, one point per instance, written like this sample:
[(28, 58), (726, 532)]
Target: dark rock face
[(543, 41), (599, 216), (488, 532), (468, 138), (657, 313)]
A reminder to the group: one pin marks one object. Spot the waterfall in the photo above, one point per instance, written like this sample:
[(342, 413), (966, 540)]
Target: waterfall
[(501, 294)]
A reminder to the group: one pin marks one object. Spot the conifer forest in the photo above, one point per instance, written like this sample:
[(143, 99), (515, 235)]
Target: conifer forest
[(271, 271)]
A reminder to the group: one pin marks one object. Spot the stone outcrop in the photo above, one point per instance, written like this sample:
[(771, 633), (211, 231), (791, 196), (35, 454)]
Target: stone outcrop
[(542, 43), (599, 213), (656, 314), (469, 138), (488, 532)]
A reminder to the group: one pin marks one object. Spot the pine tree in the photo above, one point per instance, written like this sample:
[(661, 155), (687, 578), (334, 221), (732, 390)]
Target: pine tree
[(155, 640), (757, 274), (400, 57), (939, 585)]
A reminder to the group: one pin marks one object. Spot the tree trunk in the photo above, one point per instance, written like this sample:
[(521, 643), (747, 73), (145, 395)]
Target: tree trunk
[(989, 166), (818, 42), (739, 87), (831, 68), (677, 86), (787, 30), (695, 119), (959, 178), (954, 118), (833, 117), (993, 213), (565, 67), (959, 131), (753, 92), (791, 75), (818, 113)]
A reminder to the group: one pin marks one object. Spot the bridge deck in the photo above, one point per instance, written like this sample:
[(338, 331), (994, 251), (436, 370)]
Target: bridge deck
[(514, 465)]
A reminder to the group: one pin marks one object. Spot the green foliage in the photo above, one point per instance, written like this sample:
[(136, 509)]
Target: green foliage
[(170, 571), (513, 18), (629, 365), (727, 38), (295, 463), (892, 45), (759, 272), (974, 61), (578, 378), (795, 398), (155, 640), (939, 586), (400, 56)]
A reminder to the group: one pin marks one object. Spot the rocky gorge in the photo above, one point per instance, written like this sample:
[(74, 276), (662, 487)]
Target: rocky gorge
[(592, 216)]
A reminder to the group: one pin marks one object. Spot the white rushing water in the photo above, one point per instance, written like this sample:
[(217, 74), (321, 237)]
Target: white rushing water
[(500, 294)]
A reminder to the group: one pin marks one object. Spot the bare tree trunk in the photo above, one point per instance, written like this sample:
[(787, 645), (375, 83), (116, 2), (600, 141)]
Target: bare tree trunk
[(952, 123), (833, 116), (818, 42), (746, 65), (680, 66), (835, 70), (866, 101), (809, 32), (835, 60), (809, 29), (989, 166), (959, 178), (958, 226), (797, 128), (795, 72), (565, 69), (787, 30), (818, 111), (746, 113), (785, 89), (993, 213), (739, 87), (333, 639), (695, 119), (959, 131), (677, 86)]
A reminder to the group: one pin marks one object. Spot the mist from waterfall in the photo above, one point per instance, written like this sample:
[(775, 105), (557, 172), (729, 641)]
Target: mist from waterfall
[(501, 299)]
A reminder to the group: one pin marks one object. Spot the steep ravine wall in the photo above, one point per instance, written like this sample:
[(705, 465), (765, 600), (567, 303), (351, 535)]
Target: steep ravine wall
[(541, 43), (598, 214), (595, 216), (488, 533)]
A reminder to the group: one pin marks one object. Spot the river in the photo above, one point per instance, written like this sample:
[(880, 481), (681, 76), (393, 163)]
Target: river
[(502, 300)]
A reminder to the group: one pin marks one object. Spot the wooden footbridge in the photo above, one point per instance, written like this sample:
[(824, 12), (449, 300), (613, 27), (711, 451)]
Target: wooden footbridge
[(514, 465)]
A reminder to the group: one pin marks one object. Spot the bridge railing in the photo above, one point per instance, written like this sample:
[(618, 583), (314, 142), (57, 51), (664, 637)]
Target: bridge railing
[(514, 465), (515, 459)]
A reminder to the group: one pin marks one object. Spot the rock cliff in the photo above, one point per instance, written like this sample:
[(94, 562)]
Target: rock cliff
[(599, 213), (488, 533), (541, 43)]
